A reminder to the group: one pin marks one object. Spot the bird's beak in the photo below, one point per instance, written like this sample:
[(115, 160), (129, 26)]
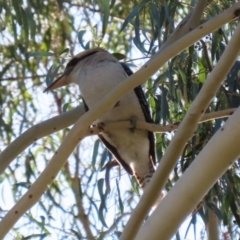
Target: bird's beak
[(63, 80)]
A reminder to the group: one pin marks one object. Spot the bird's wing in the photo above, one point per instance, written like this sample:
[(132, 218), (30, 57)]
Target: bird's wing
[(111, 148), (114, 151), (145, 108)]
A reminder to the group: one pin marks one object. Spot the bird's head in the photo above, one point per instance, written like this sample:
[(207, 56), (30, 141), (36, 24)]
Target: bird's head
[(73, 65)]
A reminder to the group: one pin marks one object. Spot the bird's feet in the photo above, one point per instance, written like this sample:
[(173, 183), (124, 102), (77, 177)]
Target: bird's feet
[(133, 121), (99, 125)]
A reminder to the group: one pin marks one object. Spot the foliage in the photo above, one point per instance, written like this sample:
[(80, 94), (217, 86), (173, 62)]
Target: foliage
[(37, 38)]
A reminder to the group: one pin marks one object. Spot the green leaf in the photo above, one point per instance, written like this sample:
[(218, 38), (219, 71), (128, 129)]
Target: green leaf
[(77, 234), (95, 154), (112, 3), (105, 157), (41, 54), (119, 56), (119, 198), (14, 29), (135, 185), (60, 4), (47, 39), (65, 106), (214, 45), (101, 215), (66, 50), (51, 75), (130, 17), (6, 68), (48, 77), (137, 40), (100, 185), (234, 208), (102, 206), (183, 76), (31, 22), (202, 72), (80, 37), (87, 46), (118, 234), (17, 11), (105, 10), (25, 24), (164, 107)]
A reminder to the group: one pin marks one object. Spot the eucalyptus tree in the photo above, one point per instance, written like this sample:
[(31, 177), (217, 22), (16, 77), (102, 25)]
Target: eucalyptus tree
[(188, 51)]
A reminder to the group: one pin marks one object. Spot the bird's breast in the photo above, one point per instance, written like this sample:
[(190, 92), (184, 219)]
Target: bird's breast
[(98, 79)]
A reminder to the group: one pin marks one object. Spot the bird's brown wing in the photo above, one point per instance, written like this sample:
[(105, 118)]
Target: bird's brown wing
[(111, 148), (145, 108)]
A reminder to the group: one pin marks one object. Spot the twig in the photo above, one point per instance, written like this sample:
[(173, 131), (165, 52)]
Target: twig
[(114, 225), (155, 127), (81, 214)]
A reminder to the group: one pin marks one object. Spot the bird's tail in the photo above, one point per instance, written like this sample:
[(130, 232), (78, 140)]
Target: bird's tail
[(144, 181)]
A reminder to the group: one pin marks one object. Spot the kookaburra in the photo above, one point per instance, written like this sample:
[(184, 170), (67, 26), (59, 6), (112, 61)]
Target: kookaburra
[(97, 72)]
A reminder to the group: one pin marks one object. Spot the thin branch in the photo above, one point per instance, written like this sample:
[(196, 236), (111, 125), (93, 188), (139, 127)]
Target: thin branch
[(81, 214), (76, 187), (212, 226), (216, 115), (79, 130), (110, 126), (176, 146), (114, 225), (38, 131)]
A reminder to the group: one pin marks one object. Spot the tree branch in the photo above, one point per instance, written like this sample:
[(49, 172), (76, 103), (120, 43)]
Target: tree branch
[(211, 155), (79, 130), (212, 226), (216, 157), (76, 187), (155, 127), (81, 213), (190, 121), (38, 131)]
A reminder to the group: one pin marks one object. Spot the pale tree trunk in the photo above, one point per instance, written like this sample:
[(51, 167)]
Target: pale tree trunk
[(212, 225)]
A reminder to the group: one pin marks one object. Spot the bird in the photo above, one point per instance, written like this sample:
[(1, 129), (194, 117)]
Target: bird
[(97, 72)]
